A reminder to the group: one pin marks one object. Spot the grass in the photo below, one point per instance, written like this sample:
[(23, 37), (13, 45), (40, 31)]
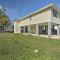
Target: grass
[(21, 47)]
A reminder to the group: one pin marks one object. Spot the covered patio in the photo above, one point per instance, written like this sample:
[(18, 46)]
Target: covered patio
[(41, 29)]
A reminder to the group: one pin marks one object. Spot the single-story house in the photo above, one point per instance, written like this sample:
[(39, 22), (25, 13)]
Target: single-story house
[(45, 21)]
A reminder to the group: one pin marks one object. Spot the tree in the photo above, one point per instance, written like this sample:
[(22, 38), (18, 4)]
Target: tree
[(3, 17)]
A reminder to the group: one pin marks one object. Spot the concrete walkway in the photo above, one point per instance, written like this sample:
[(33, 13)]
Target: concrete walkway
[(45, 36)]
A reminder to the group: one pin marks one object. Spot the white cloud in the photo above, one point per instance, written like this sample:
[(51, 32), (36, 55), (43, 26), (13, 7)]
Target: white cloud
[(1, 6)]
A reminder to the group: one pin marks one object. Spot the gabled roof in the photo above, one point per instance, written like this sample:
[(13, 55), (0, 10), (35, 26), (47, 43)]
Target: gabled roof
[(45, 7)]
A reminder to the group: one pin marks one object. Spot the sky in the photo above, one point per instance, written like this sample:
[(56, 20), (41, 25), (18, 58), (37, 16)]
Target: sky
[(16, 9)]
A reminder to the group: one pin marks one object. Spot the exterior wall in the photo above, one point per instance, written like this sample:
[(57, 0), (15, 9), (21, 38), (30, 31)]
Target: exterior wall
[(54, 19), (25, 22), (41, 17), (16, 27)]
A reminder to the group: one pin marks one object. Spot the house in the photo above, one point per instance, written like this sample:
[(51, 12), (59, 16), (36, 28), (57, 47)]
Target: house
[(10, 26), (45, 21)]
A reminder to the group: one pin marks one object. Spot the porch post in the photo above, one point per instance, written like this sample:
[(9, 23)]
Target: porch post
[(29, 29), (58, 28), (49, 28), (20, 29), (37, 29), (24, 29), (14, 27)]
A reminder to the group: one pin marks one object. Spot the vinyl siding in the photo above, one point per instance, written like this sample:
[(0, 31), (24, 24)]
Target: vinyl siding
[(41, 17)]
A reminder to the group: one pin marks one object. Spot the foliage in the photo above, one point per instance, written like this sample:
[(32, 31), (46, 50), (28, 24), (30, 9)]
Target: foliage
[(3, 17)]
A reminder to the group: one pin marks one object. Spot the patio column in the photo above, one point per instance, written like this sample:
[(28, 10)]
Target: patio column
[(29, 29), (24, 29), (20, 29), (37, 29), (58, 29), (15, 27), (49, 28)]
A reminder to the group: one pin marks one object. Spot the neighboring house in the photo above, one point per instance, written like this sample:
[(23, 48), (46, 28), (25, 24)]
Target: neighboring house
[(45, 21), (1, 28), (10, 26)]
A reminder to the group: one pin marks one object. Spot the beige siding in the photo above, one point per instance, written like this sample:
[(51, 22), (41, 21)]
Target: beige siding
[(55, 20), (16, 27), (41, 17), (25, 22), (44, 16)]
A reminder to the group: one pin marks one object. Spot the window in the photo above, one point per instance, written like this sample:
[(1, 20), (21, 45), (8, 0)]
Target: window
[(54, 13)]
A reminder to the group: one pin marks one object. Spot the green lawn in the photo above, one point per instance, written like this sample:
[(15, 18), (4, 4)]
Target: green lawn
[(21, 47)]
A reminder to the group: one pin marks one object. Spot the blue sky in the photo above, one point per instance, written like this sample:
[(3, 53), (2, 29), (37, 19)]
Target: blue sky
[(16, 9)]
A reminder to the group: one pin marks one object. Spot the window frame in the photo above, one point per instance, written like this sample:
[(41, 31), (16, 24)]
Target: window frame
[(54, 13)]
